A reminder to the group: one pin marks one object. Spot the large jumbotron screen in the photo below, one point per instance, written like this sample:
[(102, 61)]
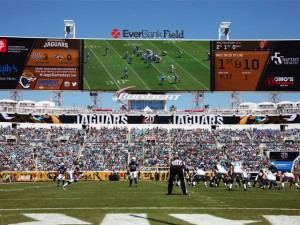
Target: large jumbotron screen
[(256, 65), (40, 64), (111, 65), (149, 65)]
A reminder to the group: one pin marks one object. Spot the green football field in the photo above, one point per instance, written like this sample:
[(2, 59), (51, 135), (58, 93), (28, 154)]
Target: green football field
[(114, 202), (106, 72)]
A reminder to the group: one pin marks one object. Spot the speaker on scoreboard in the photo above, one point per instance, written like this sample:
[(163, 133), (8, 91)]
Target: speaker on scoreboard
[(14, 125), (226, 31), (68, 29), (213, 127)]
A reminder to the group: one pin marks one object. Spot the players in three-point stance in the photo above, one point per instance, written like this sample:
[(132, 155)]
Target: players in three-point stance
[(134, 169), (289, 177), (199, 176), (61, 174)]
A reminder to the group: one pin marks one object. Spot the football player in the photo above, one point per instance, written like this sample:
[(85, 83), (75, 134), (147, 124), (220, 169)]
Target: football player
[(246, 179), (61, 174), (130, 59), (126, 73), (258, 178), (236, 170), (176, 78), (73, 176), (199, 176), (125, 55), (162, 79), (221, 174), (172, 68), (87, 57), (106, 50), (179, 53), (289, 177), (134, 169), (269, 179)]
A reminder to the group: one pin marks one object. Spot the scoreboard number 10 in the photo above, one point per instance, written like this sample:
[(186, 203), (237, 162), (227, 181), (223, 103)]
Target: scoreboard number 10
[(247, 64)]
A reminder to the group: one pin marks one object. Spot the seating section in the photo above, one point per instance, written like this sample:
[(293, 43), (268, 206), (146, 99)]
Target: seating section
[(110, 148)]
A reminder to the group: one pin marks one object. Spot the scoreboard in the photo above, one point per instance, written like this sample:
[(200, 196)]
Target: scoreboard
[(224, 65), (256, 65), (40, 64)]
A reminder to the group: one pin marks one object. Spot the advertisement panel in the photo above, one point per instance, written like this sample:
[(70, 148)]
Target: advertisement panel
[(256, 65), (149, 65), (40, 64), (121, 118)]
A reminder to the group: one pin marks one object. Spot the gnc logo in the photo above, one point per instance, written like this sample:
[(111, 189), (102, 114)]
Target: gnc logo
[(115, 33), (2, 45)]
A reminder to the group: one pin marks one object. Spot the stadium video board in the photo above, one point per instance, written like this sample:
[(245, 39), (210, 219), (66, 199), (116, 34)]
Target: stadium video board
[(148, 65), (40, 63), (256, 65)]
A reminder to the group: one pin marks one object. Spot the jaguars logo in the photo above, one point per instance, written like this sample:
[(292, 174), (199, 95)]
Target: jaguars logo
[(26, 78)]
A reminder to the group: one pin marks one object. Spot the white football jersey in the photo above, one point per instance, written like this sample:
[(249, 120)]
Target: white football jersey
[(221, 168), (237, 167)]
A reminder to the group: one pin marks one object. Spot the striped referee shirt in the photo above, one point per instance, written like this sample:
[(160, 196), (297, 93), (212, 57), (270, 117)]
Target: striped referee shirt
[(177, 162)]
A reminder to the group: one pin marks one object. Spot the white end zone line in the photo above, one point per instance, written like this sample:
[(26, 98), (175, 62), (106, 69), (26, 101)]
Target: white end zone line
[(148, 208)]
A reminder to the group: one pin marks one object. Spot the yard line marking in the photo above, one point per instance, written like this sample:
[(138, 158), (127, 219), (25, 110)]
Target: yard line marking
[(129, 66), (104, 66), (182, 68), (87, 83), (121, 218), (201, 46), (192, 57), (149, 208)]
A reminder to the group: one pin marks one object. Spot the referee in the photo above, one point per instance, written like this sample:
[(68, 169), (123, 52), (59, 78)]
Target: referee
[(177, 168)]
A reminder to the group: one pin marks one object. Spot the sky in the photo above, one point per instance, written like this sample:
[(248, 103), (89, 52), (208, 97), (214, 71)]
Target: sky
[(200, 19)]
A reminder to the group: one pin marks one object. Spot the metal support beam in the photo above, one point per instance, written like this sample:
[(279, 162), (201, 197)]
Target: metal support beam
[(96, 99), (198, 100), (16, 95), (236, 98), (56, 97), (274, 97)]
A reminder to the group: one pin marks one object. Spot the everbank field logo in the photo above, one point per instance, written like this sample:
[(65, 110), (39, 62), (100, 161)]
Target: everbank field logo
[(115, 33), (3, 45), (159, 34)]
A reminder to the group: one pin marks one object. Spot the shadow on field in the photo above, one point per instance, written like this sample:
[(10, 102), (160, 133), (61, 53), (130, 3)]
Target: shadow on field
[(155, 220)]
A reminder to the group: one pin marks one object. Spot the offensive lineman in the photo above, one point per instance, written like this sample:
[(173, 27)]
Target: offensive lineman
[(177, 168), (134, 169), (199, 176), (290, 178)]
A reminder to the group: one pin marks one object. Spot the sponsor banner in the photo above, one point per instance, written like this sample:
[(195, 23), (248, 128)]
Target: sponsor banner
[(256, 65), (111, 118), (40, 64), (147, 34), (37, 176)]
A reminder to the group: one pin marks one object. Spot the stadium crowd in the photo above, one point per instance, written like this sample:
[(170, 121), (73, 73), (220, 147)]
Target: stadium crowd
[(108, 149)]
